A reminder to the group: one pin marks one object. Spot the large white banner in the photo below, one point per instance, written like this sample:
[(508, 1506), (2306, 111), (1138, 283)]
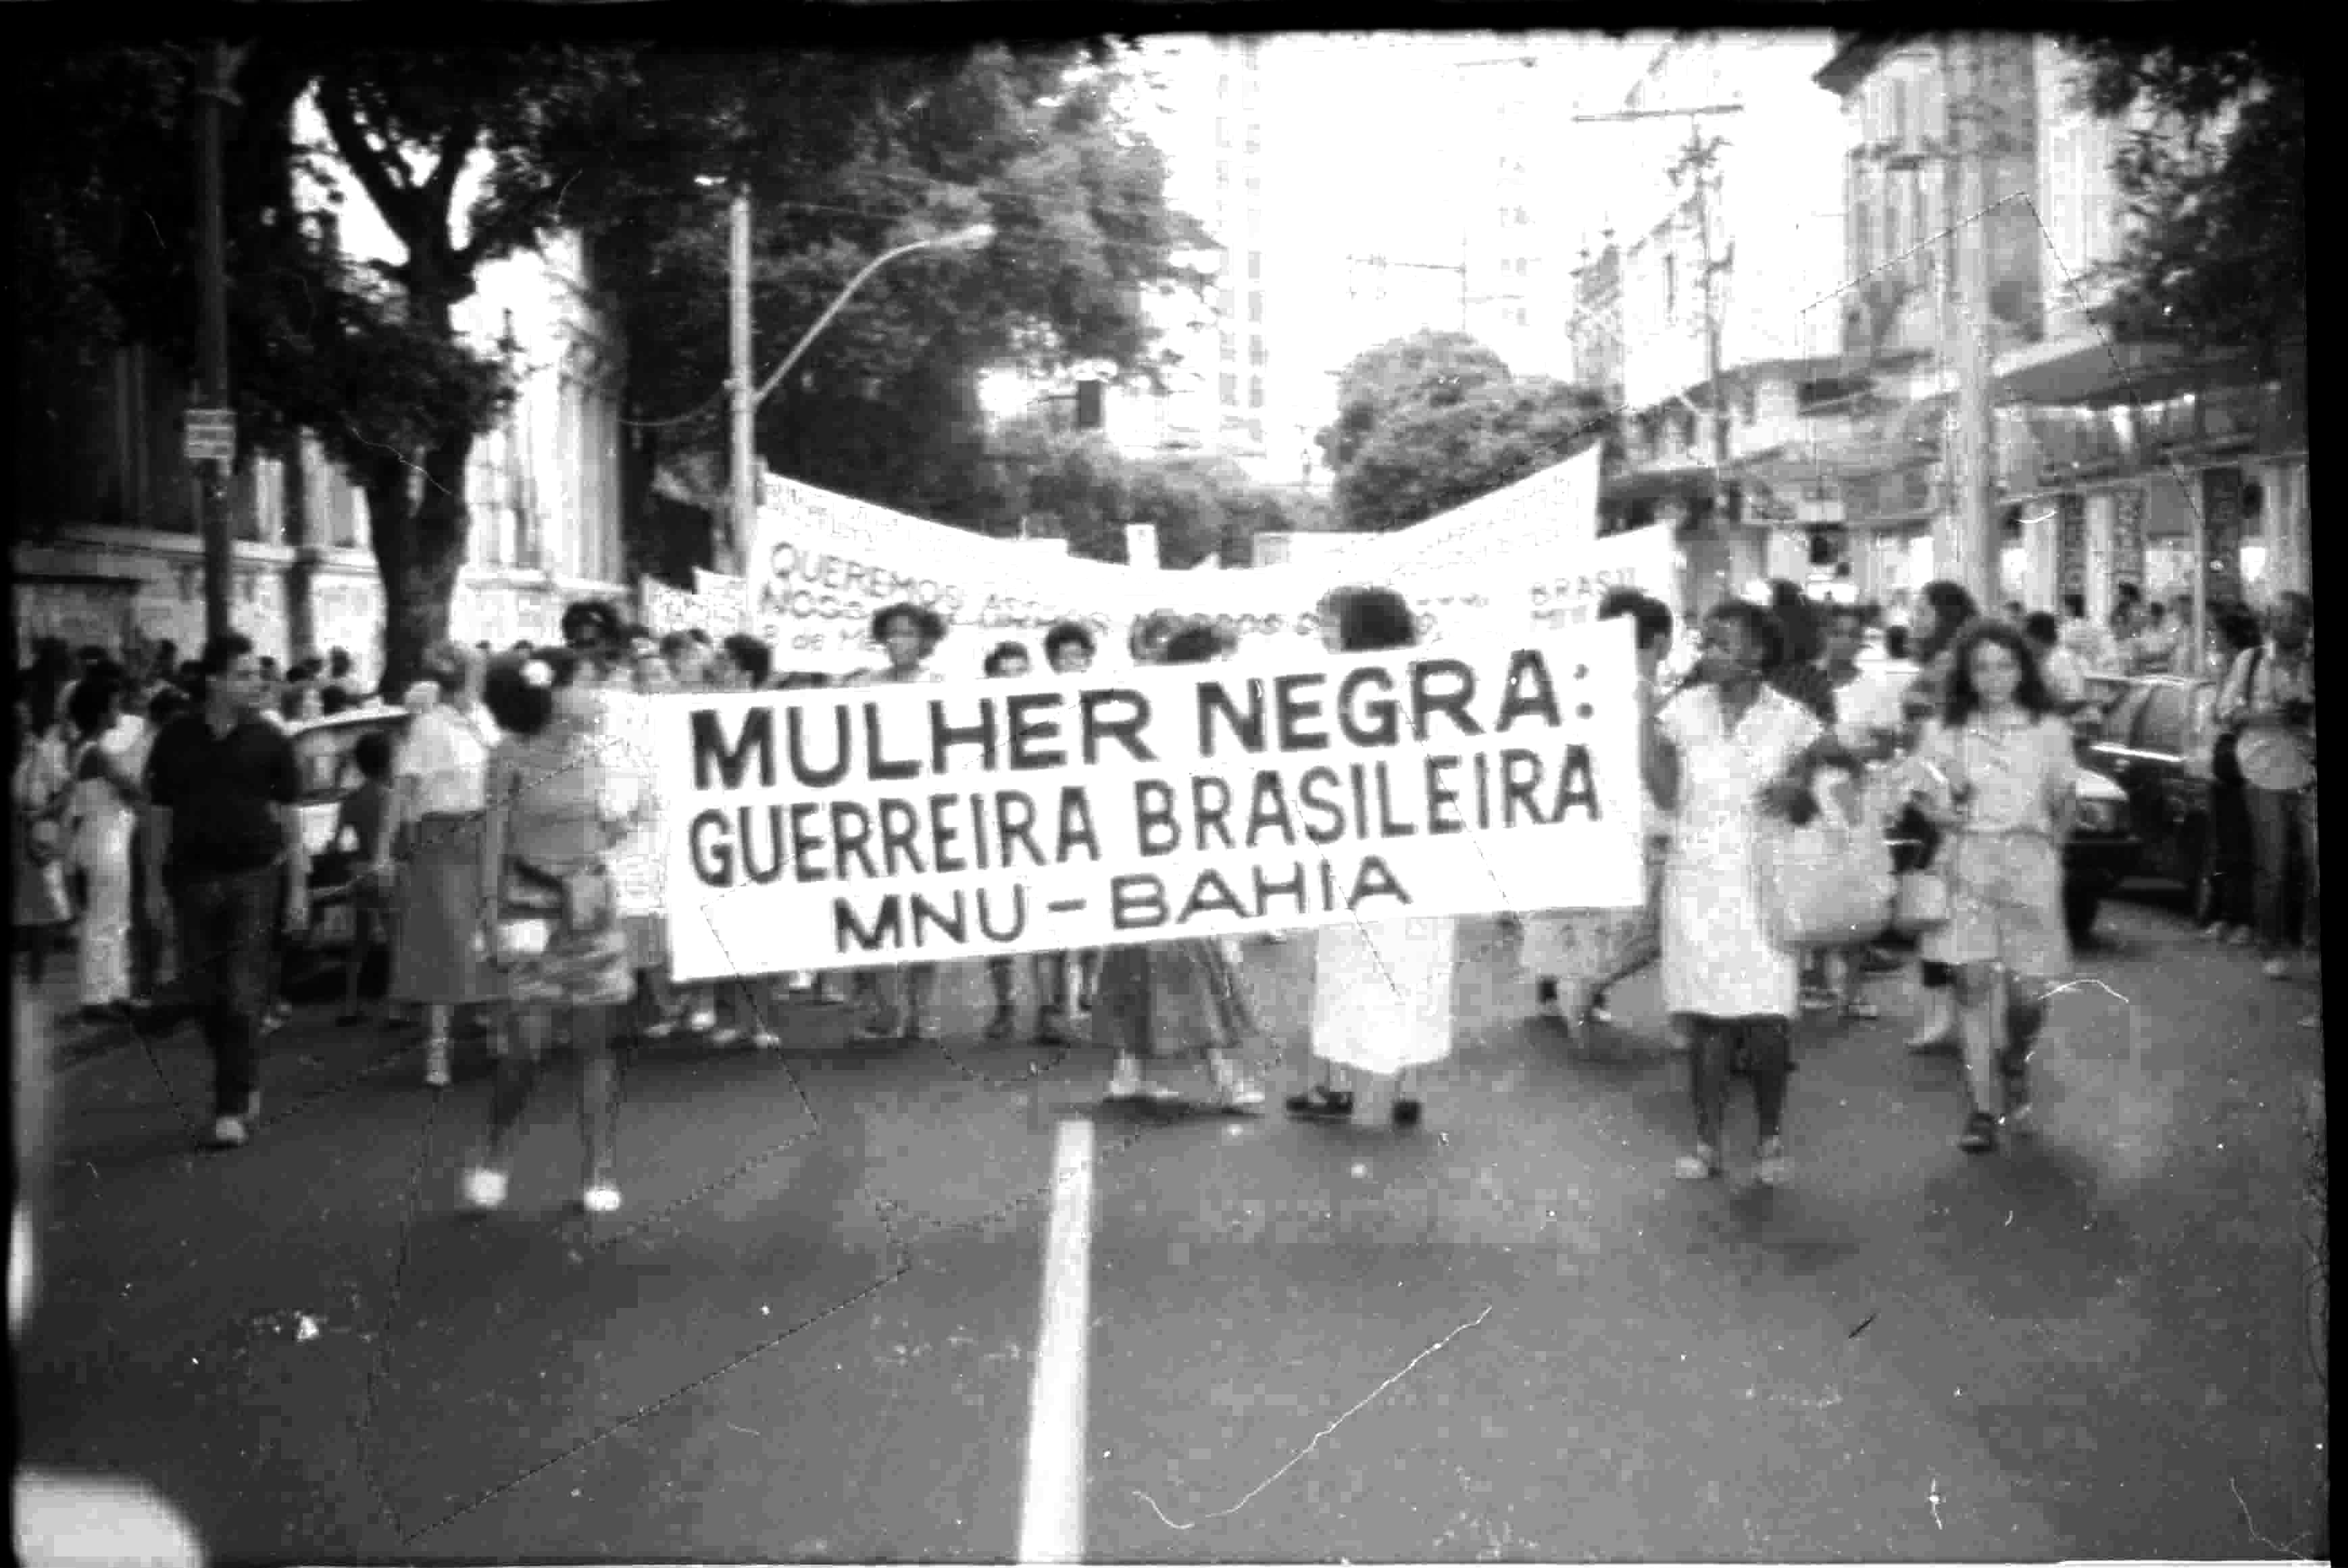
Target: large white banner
[(822, 564), (842, 829)]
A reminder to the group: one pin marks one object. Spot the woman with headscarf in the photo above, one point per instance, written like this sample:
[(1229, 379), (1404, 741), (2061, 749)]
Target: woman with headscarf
[(1725, 755), (1381, 991), (435, 835), (1159, 1001), (909, 634), (549, 918)]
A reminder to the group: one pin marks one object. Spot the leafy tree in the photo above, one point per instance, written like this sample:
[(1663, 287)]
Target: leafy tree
[(2215, 175), (847, 156), (1431, 421), (1203, 506), (1434, 368)]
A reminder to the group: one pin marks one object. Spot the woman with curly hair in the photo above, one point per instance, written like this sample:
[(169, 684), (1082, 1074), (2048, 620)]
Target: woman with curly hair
[(1997, 774), (1723, 755), (550, 917), (1155, 1001), (902, 1005)]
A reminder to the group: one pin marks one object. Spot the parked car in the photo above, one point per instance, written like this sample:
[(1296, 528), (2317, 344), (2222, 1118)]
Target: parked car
[(2155, 739), (2101, 851), (322, 750)]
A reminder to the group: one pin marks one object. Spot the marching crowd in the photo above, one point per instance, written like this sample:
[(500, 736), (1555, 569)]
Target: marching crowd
[(509, 853)]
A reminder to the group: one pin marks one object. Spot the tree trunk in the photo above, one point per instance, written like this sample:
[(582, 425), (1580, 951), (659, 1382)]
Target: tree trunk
[(421, 525)]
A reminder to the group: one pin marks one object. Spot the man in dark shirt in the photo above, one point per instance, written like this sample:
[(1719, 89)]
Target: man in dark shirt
[(224, 838)]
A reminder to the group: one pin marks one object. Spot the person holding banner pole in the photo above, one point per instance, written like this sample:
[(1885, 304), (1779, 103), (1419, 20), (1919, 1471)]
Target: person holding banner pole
[(1721, 756), (1181, 997), (909, 634), (1068, 650), (1008, 662), (1382, 990), (1589, 951)]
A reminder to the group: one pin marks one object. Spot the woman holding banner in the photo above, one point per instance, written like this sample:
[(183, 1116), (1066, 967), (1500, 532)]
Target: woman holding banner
[(1381, 991), (909, 634), (1180, 997), (1722, 755), (1576, 955)]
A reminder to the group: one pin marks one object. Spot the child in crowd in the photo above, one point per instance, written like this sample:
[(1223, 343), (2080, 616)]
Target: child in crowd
[(362, 831)]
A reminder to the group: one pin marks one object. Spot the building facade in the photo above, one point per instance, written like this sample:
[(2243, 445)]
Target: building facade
[(1708, 266), (2115, 461), (107, 551)]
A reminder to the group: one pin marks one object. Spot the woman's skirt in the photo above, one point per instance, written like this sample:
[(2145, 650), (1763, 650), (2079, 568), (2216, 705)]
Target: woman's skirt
[(2005, 905), (1170, 998), (436, 918), (1382, 994), (578, 969)]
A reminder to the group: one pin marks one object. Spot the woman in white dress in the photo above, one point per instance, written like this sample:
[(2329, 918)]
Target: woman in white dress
[(1382, 990), (1722, 754), (107, 796)]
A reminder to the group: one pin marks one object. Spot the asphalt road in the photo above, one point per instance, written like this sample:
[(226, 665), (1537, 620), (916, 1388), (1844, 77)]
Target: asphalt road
[(811, 1332)]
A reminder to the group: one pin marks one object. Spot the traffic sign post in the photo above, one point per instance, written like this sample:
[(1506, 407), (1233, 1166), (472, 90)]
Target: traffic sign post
[(210, 436)]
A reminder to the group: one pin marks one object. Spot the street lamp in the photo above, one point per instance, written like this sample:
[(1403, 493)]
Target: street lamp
[(977, 236)]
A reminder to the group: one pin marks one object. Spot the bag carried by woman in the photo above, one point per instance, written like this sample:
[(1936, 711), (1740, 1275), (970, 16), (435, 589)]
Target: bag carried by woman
[(1828, 883)]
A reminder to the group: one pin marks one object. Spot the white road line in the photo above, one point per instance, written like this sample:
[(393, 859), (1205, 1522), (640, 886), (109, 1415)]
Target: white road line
[(1052, 1495)]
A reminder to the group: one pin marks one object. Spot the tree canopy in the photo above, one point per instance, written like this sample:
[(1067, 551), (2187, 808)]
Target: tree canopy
[(1433, 421), (2215, 175), (1076, 484), (846, 156)]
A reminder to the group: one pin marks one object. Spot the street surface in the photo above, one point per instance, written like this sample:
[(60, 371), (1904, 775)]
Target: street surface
[(810, 1333)]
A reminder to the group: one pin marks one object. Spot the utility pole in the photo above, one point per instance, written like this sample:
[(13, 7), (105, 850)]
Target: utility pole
[(205, 441), (745, 477), (1968, 543), (1696, 159)]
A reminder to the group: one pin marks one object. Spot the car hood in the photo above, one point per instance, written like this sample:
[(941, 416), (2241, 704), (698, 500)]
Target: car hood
[(2094, 786)]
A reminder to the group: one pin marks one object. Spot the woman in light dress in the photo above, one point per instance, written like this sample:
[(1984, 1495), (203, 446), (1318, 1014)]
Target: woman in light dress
[(549, 918), (108, 762), (1723, 755), (1182, 997), (41, 791), (436, 832), (903, 1003), (1382, 990), (1997, 773)]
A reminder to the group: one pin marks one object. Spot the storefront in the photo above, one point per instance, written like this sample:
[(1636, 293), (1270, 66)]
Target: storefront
[(2148, 494)]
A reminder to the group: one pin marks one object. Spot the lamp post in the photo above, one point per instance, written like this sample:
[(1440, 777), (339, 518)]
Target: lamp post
[(745, 486)]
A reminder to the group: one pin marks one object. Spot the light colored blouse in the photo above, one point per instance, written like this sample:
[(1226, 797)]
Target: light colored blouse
[(554, 783), (448, 754), (2021, 769)]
